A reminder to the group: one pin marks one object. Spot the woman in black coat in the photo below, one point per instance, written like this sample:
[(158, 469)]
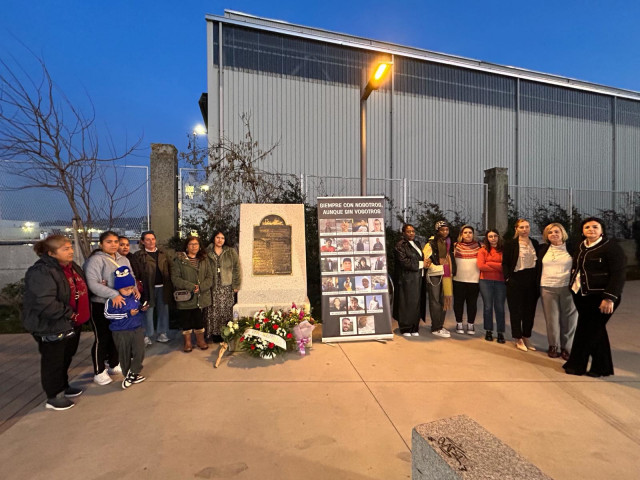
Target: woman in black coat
[(56, 304), (409, 268), (520, 274), (597, 279)]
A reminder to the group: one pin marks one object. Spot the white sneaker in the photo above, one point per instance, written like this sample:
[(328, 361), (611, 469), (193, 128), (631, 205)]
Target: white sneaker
[(102, 378), (471, 330), (117, 370), (415, 334), (443, 332), (406, 334), (162, 338), (147, 342), (459, 328)]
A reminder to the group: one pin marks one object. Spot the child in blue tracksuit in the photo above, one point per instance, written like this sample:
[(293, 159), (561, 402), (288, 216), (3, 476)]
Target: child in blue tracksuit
[(125, 323)]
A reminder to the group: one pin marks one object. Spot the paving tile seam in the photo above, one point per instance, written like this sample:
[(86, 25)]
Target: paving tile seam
[(382, 409), (568, 387)]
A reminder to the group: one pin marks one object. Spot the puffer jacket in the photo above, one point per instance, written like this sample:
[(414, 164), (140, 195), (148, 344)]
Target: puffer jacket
[(229, 264), (46, 298), (185, 277)]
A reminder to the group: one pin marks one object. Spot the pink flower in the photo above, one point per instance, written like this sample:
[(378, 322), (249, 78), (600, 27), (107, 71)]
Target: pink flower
[(293, 305), (301, 316)]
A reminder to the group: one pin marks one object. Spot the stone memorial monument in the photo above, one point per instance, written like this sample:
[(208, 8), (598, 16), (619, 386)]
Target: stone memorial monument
[(273, 258)]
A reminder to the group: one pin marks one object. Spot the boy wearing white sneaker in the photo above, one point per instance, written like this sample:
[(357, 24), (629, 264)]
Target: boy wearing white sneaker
[(126, 326)]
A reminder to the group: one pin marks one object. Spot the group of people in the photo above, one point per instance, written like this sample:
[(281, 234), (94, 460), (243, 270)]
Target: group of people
[(117, 292), (579, 287)]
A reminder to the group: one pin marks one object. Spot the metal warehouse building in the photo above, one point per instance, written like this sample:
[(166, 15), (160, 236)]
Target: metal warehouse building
[(433, 128)]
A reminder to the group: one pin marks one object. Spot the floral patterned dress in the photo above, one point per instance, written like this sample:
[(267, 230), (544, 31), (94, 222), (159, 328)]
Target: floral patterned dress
[(221, 309)]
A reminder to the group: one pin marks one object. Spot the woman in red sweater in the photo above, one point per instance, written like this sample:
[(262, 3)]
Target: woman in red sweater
[(492, 286)]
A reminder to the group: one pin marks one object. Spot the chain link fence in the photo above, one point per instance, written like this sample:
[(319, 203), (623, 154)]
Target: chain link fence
[(119, 201), (466, 201)]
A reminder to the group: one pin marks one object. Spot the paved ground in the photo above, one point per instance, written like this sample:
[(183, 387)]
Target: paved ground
[(345, 411)]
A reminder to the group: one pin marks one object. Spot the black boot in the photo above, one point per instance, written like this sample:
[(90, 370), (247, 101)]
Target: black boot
[(500, 337), (488, 336)]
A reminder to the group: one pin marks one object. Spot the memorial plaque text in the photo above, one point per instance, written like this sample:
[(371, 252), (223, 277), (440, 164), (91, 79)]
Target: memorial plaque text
[(272, 247)]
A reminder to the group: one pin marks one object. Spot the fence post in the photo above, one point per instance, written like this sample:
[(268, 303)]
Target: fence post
[(302, 193), (404, 199), (570, 207)]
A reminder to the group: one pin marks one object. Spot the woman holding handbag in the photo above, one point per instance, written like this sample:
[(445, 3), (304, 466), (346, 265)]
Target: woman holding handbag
[(56, 304), (192, 278)]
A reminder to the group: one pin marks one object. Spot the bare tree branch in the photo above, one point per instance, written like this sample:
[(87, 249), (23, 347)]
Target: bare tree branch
[(48, 142)]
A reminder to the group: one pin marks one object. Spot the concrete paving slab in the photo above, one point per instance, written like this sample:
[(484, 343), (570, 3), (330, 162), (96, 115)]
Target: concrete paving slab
[(562, 428), (343, 411)]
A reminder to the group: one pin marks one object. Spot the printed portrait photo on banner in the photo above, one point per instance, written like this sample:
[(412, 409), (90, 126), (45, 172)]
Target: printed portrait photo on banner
[(362, 244), (345, 264), (362, 264), (360, 225), (356, 304), (345, 284), (327, 225), (344, 244), (328, 245), (379, 282), (377, 246), (379, 264), (337, 305), (347, 325), (329, 264), (330, 284), (376, 225), (363, 284), (366, 325), (345, 225), (374, 303)]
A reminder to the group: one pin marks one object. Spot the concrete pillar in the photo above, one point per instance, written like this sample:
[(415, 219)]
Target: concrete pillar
[(164, 191), (497, 181)]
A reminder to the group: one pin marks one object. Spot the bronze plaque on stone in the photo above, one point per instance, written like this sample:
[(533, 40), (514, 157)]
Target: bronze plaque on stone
[(272, 247)]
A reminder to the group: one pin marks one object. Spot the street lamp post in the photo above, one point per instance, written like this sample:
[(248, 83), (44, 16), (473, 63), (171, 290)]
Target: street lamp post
[(371, 84)]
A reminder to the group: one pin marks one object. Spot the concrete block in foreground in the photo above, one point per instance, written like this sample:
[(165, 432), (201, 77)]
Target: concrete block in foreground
[(459, 448)]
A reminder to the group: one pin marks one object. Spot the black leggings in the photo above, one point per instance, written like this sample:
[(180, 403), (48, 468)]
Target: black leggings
[(104, 348), (465, 292)]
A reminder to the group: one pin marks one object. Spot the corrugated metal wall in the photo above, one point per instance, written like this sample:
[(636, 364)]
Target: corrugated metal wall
[(448, 123)]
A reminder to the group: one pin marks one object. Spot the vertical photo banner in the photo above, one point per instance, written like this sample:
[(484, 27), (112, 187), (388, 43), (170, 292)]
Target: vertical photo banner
[(353, 269)]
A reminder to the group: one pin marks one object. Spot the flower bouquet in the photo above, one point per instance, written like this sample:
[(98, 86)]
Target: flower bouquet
[(268, 336)]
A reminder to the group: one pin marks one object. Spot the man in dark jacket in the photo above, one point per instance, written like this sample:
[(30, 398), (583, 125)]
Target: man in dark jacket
[(156, 280)]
